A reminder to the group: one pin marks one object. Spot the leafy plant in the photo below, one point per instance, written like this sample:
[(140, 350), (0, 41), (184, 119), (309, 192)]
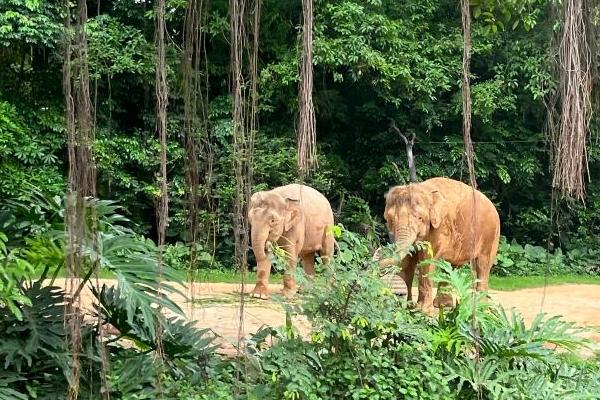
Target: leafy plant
[(515, 259), (33, 349), (13, 270), (366, 342), (108, 245), (187, 351)]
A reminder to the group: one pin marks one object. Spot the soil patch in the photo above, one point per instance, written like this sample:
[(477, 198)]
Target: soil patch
[(216, 306)]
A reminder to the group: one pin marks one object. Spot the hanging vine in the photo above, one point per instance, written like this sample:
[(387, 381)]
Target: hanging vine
[(81, 179), (466, 91), (244, 116), (570, 109), (192, 118), (161, 93), (307, 130), (253, 62), (469, 154), (244, 128), (236, 10)]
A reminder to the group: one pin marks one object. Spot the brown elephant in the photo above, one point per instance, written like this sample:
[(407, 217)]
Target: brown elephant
[(297, 218), (461, 225)]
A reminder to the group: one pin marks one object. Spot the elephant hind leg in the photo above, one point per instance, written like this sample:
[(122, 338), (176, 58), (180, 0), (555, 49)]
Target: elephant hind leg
[(327, 247), (483, 266), (308, 262)]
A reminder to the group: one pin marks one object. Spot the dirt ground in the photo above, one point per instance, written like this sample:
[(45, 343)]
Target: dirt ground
[(216, 306)]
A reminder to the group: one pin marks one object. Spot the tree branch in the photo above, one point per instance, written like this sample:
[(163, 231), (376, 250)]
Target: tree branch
[(408, 143)]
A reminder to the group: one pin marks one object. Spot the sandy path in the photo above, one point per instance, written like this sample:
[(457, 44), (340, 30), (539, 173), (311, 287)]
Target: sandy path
[(217, 306), (576, 303)]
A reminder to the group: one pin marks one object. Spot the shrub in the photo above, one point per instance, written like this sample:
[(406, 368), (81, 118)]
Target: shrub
[(366, 343), (518, 260)]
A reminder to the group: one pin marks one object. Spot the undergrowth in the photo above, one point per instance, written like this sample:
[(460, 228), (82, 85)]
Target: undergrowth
[(366, 343)]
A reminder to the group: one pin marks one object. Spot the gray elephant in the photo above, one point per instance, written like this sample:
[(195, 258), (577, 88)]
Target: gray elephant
[(461, 224), (297, 218)]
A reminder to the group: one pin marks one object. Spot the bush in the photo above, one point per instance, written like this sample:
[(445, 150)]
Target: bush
[(517, 260), (366, 343), (178, 256)]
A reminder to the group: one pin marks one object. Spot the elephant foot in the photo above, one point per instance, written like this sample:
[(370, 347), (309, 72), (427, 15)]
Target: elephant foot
[(288, 292), (260, 291), (425, 307), (443, 300)]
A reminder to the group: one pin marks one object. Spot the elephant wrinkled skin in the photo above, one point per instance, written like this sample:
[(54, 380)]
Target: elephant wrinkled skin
[(297, 218), (441, 212)]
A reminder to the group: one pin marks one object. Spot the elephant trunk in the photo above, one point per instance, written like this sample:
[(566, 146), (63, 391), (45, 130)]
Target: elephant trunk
[(259, 241), (404, 238)]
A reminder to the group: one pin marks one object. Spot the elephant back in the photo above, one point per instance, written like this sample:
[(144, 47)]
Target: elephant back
[(312, 202)]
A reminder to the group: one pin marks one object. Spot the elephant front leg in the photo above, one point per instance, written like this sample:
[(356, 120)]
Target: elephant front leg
[(289, 283), (443, 298), (263, 270), (425, 299), (408, 273)]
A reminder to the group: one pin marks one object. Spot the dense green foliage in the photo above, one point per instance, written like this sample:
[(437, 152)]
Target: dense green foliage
[(514, 259), (35, 349), (365, 343), (375, 60)]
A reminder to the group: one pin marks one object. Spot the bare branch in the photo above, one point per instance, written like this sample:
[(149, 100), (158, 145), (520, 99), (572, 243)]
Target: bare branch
[(412, 169)]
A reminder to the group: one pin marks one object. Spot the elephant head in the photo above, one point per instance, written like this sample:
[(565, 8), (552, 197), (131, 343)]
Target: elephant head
[(270, 215), (411, 212)]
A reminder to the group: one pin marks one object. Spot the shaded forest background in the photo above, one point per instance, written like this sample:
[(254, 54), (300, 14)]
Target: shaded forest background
[(374, 61)]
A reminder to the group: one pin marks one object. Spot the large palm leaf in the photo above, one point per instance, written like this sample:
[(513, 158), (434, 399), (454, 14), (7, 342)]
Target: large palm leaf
[(33, 351), (108, 244), (508, 336)]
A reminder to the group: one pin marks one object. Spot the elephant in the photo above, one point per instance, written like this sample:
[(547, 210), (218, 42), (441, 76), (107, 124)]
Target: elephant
[(459, 222), (297, 218)]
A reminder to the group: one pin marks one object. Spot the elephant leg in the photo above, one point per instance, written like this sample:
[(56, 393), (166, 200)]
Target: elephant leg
[(425, 299), (482, 270), (328, 247), (443, 299), (289, 283), (263, 270), (408, 273), (308, 262)]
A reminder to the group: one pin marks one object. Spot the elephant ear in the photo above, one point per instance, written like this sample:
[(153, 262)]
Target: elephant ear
[(255, 202), (437, 210), (292, 215)]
